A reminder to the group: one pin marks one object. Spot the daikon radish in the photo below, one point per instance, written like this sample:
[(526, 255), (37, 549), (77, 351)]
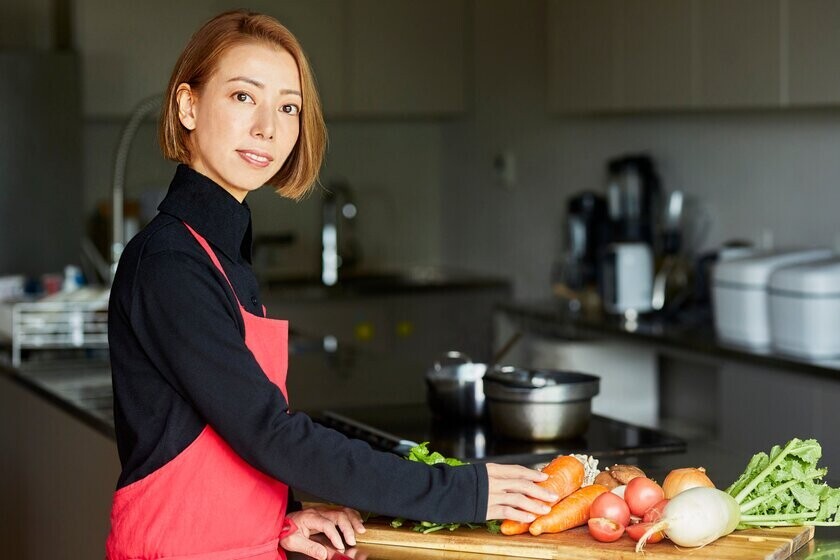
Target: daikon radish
[(696, 517)]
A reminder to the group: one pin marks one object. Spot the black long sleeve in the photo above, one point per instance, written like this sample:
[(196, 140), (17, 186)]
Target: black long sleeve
[(179, 362)]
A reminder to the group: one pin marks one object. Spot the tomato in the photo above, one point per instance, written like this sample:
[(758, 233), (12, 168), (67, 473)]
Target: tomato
[(611, 507), (642, 494), (655, 513), (605, 530), (636, 531)]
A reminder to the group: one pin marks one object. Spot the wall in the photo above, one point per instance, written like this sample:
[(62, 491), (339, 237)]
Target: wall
[(753, 171), (428, 192)]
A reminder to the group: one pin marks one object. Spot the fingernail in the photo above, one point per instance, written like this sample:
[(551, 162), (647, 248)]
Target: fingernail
[(362, 530), (530, 518), (554, 497), (545, 509)]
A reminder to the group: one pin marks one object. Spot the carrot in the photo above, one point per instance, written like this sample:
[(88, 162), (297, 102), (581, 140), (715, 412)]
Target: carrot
[(565, 475), (568, 513)]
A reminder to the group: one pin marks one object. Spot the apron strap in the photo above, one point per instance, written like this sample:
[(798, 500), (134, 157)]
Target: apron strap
[(209, 250)]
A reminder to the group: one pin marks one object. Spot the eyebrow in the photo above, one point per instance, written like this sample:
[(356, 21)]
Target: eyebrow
[(261, 85)]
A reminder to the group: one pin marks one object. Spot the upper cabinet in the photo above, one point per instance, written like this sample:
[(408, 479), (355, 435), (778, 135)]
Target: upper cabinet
[(407, 57), (738, 53), (642, 55), (653, 38), (378, 58), (814, 52)]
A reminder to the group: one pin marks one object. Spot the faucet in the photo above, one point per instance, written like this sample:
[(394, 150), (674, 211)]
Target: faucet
[(339, 249), (139, 112)]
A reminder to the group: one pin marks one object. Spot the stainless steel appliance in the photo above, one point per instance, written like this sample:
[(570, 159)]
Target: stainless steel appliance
[(539, 405)]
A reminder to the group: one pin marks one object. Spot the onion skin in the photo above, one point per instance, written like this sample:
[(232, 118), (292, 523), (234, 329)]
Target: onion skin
[(679, 480)]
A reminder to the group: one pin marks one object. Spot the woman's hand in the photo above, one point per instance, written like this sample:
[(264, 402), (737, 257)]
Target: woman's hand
[(514, 494), (332, 522)]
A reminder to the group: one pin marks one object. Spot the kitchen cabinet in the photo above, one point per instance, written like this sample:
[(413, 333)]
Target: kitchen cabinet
[(372, 58), (619, 55), (813, 52), (641, 55), (738, 54), (407, 58), (654, 55), (582, 56), (59, 475)]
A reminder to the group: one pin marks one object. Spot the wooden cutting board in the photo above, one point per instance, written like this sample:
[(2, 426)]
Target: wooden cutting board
[(768, 544)]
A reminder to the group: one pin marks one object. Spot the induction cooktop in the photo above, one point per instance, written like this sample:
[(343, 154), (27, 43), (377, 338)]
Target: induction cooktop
[(396, 428)]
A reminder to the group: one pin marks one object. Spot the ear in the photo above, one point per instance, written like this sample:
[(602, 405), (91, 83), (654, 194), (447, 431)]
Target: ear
[(186, 99)]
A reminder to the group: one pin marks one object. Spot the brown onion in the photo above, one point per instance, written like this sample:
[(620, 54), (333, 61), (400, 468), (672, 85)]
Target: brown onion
[(683, 479)]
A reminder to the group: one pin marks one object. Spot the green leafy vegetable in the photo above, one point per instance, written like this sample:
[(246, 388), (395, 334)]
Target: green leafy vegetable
[(785, 488), (421, 454)]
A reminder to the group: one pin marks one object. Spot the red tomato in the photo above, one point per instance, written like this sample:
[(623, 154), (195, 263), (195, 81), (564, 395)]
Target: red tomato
[(612, 507), (605, 530), (655, 513), (642, 494), (636, 531)]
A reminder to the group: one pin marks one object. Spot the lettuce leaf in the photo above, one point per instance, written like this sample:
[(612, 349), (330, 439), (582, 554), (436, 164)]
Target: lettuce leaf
[(785, 488), (421, 454)]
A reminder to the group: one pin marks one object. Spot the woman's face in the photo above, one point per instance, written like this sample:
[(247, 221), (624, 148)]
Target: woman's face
[(245, 120)]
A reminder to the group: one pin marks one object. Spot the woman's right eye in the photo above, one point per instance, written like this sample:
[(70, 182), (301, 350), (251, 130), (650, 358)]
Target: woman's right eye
[(243, 97)]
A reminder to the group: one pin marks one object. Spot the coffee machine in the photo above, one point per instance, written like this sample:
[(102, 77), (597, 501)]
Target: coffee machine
[(633, 196), (578, 271)]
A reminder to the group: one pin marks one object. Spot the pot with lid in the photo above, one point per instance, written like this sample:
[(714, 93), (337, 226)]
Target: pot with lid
[(539, 404), (456, 389)]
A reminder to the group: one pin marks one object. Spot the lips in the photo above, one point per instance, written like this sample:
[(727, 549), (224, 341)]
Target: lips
[(255, 157)]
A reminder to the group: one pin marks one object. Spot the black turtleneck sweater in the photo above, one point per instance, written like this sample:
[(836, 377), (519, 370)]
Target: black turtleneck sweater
[(179, 362)]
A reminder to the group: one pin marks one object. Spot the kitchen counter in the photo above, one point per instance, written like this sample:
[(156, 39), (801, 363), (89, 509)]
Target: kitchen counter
[(691, 332), (376, 283), (81, 388)]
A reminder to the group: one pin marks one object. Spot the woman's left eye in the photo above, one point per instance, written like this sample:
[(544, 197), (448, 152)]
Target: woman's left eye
[(290, 109)]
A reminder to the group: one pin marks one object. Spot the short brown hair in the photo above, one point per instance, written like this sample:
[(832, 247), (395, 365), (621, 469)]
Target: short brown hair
[(196, 65)]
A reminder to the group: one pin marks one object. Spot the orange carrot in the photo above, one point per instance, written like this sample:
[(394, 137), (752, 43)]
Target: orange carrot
[(568, 513), (565, 475)]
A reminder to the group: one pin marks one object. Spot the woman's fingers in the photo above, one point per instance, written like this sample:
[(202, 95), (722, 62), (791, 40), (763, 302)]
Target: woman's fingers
[(514, 494), (348, 520), (296, 542)]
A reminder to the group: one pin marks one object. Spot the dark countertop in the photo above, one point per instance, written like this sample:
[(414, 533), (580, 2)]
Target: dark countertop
[(692, 331), (376, 283)]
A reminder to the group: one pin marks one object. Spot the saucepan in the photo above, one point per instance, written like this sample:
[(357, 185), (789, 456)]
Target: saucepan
[(455, 385), (539, 404), (456, 388)]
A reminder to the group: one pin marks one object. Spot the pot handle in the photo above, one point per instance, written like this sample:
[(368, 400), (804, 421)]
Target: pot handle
[(452, 355)]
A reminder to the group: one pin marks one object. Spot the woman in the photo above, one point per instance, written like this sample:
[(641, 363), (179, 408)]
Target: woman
[(206, 439)]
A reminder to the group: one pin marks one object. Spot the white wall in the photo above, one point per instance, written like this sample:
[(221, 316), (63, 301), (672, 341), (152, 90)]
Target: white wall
[(776, 170)]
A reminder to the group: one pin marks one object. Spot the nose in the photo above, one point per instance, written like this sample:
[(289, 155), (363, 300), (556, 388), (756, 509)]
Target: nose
[(263, 126)]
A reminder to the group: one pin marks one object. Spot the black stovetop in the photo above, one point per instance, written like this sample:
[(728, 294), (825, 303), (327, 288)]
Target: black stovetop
[(396, 428)]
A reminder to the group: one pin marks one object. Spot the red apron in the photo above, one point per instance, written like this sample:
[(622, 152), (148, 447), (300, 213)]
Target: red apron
[(207, 503)]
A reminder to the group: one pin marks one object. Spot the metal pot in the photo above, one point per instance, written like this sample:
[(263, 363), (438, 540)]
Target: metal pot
[(456, 389), (539, 405)]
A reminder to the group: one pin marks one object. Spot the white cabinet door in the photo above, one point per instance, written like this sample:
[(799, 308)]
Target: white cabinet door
[(582, 55), (655, 54), (406, 57), (813, 52), (738, 53)]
